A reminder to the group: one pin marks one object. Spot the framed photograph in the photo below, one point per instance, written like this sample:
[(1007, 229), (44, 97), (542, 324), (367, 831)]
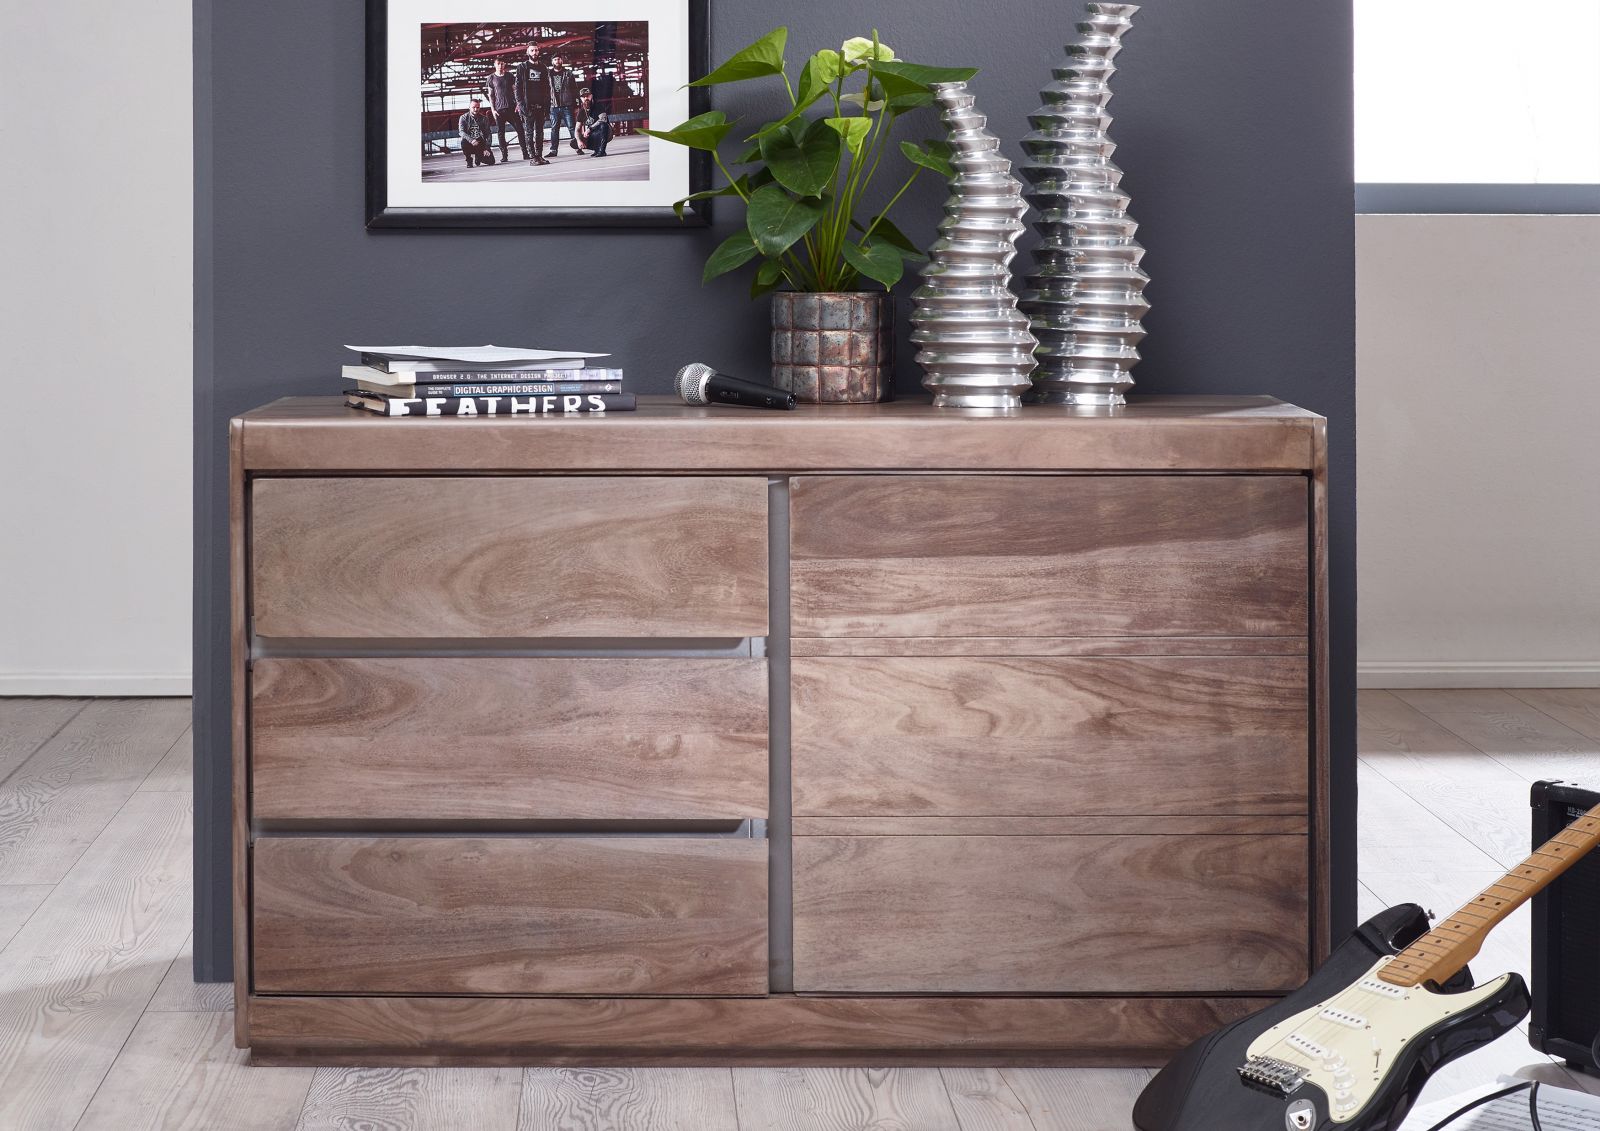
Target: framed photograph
[(521, 115)]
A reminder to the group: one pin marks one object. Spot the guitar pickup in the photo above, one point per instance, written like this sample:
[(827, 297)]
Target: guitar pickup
[(1276, 1076)]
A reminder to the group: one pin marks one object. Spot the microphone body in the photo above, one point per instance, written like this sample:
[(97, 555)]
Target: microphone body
[(699, 384)]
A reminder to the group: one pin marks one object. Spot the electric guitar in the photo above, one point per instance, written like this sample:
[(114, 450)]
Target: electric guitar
[(1350, 1050)]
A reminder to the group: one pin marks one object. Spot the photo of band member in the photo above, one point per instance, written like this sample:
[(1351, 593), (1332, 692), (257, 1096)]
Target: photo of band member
[(535, 102)]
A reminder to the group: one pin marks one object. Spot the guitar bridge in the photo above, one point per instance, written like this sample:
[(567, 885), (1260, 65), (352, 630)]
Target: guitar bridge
[(1276, 1076)]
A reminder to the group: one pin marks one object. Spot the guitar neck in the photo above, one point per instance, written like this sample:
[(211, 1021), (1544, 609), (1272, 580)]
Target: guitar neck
[(1441, 953)]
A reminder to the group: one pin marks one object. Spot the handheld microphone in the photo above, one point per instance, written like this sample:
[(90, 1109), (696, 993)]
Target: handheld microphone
[(700, 384)]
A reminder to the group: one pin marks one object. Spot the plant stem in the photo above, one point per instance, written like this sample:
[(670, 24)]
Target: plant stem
[(732, 180), (870, 228)]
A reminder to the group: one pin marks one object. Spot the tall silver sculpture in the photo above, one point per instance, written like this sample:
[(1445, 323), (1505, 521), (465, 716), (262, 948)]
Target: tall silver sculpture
[(1085, 296), (975, 346)]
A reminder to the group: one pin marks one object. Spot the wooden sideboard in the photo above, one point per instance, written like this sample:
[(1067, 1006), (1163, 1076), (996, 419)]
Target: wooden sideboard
[(876, 734)]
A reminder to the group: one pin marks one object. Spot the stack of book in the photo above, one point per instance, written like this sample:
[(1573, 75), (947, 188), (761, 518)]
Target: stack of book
[(481, 381)]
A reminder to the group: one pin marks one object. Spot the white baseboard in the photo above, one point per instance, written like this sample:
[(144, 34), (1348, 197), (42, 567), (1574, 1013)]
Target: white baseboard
[(85, 685), (1477, 673)]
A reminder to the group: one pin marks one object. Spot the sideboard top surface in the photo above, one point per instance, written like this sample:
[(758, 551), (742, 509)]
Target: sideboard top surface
[(1156, 433)]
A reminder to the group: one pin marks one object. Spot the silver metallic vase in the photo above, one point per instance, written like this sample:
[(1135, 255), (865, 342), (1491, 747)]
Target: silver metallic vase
[(975, 346), (1085, 295)]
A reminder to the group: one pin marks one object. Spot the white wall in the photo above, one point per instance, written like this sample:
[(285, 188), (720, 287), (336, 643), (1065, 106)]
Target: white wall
[(1478, 415), (95, 325)]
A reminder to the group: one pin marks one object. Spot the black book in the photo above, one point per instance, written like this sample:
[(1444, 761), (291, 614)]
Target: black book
[(546, 405)]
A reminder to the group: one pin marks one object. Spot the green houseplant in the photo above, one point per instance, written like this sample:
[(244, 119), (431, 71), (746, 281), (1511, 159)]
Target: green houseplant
[(805, 179)]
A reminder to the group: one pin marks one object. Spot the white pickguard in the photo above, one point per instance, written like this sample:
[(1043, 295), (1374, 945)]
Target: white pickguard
[(1347, 1045)]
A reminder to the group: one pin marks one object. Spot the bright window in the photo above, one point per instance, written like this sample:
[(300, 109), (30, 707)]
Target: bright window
[(1474, 92)]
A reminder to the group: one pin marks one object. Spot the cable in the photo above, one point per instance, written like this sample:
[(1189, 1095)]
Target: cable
[(1533, 1107), (1477, 1103)]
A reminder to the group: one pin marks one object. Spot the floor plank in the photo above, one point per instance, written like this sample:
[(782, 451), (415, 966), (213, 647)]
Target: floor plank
[(1493, 815), (175, 771), (17, 902), (1395, 828), (27, 724), (1083, 1099), (1402, 743), (180, 993), (57, 801), (1577, 708), (76, 977), (412, 1099), (627, 1099), (180, 1072), (983, 1101), (1518, 736), (842, 1099)]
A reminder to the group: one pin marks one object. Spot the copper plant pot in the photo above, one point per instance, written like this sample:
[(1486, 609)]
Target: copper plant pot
[(834, 348)]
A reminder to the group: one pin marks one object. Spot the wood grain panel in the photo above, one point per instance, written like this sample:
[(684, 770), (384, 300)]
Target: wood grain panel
[(1050, 826), (1050, 646), (1149, 555), (510, 557), (558, 915), (1105, 914), (509, 738), (784, 1028), (1045, 736), (1205, 433)]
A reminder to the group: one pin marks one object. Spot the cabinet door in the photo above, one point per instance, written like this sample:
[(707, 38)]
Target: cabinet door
[(1049, 556), (509, 557), (1046, 735), (1049, 914), (509, 915)]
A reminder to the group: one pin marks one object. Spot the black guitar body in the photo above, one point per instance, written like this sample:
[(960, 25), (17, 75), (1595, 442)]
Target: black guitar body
[(1200, 1090)]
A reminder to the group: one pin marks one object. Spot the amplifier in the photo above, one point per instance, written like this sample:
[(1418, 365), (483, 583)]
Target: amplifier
[(1566, 937)]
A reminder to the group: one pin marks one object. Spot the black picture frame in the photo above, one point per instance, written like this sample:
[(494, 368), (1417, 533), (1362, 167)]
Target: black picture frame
[(381, 215)]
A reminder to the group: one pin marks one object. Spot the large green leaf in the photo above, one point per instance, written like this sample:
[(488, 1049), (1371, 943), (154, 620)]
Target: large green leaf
[(768, 276), (876, 261), (853, 130), (704, 131), (884, 231), (763, 57), (777, 220), (813, 87), (928, 160), (803, 159), (735, 251), (925, 76)]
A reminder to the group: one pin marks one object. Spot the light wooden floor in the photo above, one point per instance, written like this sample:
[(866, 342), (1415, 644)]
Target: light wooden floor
[(100, 1027)]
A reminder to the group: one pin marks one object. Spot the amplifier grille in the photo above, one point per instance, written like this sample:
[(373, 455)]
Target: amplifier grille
[(1575, 922)]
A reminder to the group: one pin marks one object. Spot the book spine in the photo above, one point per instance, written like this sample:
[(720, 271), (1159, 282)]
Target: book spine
[(549, 405), (452, 389)]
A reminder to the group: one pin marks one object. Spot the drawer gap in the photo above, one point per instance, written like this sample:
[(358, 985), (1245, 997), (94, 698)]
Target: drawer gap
[(748, 829)]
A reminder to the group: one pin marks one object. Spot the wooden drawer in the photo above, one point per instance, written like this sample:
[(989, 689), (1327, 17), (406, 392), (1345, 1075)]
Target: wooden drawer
[(494, 738), (509, 557), (1036, 736), (1049, 914), (507, 915), (1049, 556)]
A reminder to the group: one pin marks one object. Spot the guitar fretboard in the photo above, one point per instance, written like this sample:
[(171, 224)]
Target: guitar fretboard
[(1441, 953)]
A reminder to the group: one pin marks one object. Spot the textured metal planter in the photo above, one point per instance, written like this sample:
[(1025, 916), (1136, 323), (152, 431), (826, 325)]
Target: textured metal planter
[(834, 348)]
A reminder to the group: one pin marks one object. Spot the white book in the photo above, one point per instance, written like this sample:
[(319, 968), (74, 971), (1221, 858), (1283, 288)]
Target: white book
[(425, 359)]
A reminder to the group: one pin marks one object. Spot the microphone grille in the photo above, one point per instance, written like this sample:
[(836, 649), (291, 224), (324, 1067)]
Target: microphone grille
[(691, 382)]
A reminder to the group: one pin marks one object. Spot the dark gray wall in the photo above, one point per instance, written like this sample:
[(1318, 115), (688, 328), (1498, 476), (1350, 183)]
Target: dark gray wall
[(1234, 127)]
